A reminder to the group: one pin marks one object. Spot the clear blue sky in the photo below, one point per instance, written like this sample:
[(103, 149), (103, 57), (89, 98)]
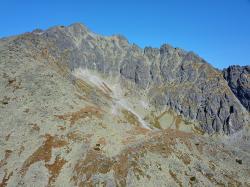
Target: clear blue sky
[(217, 30)]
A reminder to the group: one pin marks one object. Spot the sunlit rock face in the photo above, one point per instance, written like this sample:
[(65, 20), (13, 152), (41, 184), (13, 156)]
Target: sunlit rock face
[(80, 109), (239, 81), (189, 85)]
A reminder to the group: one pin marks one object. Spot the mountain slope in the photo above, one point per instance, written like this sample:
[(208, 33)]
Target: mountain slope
[(170, 77), (78, 109), (239, 81)]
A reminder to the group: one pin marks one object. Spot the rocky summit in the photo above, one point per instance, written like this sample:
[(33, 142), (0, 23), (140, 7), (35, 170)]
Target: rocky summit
[(81, 109)]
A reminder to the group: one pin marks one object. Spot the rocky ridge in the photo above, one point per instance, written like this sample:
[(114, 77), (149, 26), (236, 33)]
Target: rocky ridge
[(79, 109), (171, 77)]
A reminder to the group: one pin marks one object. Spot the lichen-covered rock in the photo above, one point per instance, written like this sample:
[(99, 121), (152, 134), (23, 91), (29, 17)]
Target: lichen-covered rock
[(171, 77), (79, 109), (238, 79)]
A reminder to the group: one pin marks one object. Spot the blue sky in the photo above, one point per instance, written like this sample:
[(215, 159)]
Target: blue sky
[(217, 30)]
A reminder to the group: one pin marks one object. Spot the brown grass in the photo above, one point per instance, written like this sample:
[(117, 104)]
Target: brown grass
[(43, 153), (173, 175), (131, 118), (198, 130), (104, 165), (155, 121), (55, 169), (6, 156), (121, 169), (136, 127), (106, 88), (95, 162), (83, 86), (138, 130), (6, 178), (78, 137), (3, 163), (128, 140), (88, 90), (89, 111), (184, 157)]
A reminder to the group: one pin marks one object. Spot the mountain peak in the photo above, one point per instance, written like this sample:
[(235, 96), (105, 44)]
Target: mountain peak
[(81, 109), (78, 27)]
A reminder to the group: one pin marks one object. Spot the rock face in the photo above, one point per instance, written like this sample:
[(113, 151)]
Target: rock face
[(170, 76), (79, 109), (239, 81)]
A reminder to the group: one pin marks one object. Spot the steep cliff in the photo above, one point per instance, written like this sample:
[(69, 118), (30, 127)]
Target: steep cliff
[(239, 81), (80, 109), (170, 77)]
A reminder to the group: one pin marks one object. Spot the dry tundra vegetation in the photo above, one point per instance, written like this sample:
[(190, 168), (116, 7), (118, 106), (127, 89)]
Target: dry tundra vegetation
[(63, 128)]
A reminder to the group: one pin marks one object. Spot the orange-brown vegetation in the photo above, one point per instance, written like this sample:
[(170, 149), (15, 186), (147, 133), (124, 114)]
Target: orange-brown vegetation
[(131, 118), (88, 90), (43, 153), (6, 156), (54, 169), (106, 88), (77, 136), (138, 130), (174, 176), (96, 162), (89, 111), (6, 177)]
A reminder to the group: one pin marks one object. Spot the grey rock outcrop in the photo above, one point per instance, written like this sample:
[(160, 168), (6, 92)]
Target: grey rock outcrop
[(239, 81), (170, 76)]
